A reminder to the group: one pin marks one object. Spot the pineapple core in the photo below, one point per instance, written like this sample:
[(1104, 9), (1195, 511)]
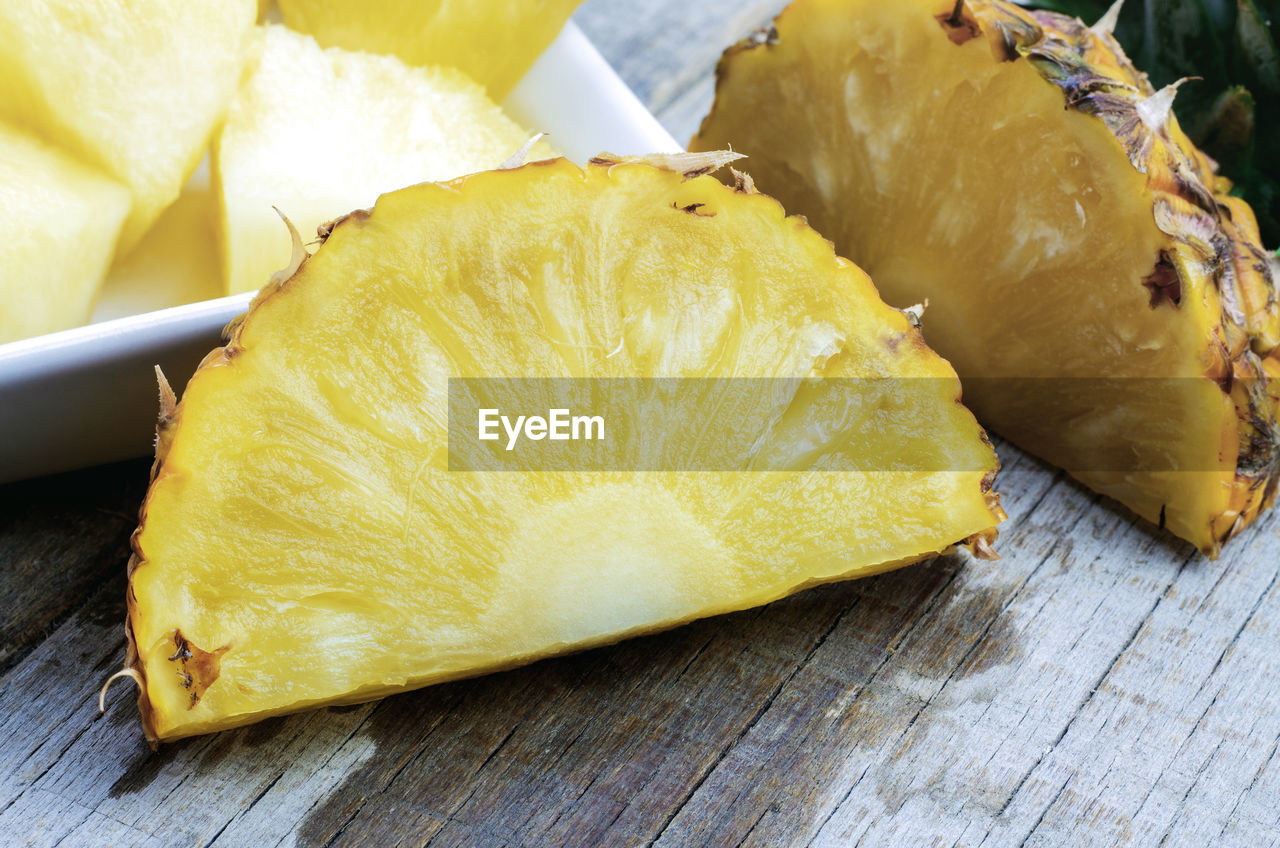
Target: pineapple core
[(305, 542)]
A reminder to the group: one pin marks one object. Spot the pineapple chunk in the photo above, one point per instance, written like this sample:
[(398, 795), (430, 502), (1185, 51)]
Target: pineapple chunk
[(379, 125), (175, 263), (304, 541), (62, 219), (1106, 304), (492, 41), (134, 87)]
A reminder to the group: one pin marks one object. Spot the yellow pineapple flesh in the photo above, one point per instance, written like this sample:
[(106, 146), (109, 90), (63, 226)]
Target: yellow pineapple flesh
[(304, 540), (1106, 303), (492, 41), (133, 87), (383, 126), (61, 219), (176, 262)]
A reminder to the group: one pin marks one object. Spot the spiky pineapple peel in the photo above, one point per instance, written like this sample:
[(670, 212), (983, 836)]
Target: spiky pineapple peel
[(300, 507), (1232, 111), (1091, 243)]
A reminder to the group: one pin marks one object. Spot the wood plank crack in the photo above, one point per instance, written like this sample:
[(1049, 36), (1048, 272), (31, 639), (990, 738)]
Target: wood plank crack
[(764, 708)]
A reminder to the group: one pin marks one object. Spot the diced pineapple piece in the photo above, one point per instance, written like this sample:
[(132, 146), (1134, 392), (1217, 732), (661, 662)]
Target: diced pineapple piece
[(492, 41), (61, 219), (175, 263), (304, 541), (317, 133), (134, 87)]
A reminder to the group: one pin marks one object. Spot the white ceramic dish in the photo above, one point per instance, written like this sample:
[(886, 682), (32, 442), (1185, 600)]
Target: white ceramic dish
[(88, 395)]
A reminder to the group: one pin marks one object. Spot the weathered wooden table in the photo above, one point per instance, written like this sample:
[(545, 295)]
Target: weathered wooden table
[(1102, 684)]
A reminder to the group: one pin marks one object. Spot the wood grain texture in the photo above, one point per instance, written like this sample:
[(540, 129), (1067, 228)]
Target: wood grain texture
[(1102, 684)]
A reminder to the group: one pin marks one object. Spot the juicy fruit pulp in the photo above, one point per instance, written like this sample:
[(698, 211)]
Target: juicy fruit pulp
[(62, 220), (178, 258), (303, 541), (134, 88), (383, 126), (1087, 248), (493, 41)]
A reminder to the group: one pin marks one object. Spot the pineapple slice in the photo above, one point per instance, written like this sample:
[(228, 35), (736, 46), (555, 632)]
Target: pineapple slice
[(492, 41), (304, 541), (383, 126), (62, 219), (1013, 169), (134, 87)]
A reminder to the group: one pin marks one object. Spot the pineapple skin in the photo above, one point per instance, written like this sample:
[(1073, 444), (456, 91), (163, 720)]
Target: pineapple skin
[(1212, 267), (200, 667)]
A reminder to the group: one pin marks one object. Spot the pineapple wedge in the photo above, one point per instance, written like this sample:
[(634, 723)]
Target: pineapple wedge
[(382, 126), (492, 41), (1106, 303), (133, 87), (304, 541), (62, 219)]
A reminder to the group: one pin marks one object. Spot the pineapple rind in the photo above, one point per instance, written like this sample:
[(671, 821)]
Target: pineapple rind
[(1212, 260), (169, 709)]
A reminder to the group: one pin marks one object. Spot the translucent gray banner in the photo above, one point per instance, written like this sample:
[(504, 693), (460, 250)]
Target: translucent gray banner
[(847, 424)]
